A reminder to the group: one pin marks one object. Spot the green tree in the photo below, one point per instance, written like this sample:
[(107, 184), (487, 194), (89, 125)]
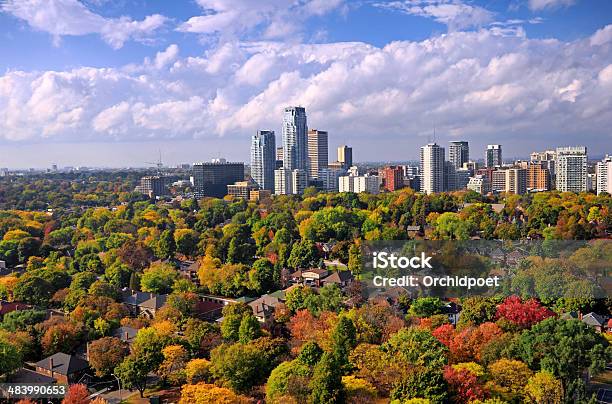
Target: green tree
[(118, 275), (426, 306), (158, 278), (237, 366), (133, 373), (344, 339), (326, 383), (34, 290), (166, 245), (310, 353), (355, 262), (261, 276), (289, 379), (249, 329), (477, 310), (186, 241), (303, 255), (565, 348), (10, 358)]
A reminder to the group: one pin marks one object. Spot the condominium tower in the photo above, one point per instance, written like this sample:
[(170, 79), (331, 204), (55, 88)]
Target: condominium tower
[(317, 152), (345, 156), (493, 157), (571, 169), (295, 154), (263, 159), (458, 153), (432, 168)]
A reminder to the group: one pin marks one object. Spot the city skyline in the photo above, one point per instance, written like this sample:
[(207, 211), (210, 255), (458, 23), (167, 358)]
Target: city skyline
[(110, 83)]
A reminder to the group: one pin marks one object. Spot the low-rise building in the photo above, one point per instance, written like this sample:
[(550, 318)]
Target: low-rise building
[(63, 368), (241, 189)]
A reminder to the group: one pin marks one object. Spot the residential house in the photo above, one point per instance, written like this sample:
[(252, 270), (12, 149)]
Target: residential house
[(125, 334), (313, 276), (341, 278), (598, 322), (144, 303), (265, 306), (63, 368), (452, 310), (189, 270)]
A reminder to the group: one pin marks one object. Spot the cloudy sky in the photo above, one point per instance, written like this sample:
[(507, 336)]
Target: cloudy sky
[(111, 82)]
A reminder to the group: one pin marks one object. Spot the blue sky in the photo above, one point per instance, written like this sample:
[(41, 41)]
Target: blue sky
[(103, 82)]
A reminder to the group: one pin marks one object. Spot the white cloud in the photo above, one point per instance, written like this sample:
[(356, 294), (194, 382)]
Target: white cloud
[(164, 58), (231, 19), (536, 5), (602, 36), (456, 14), (72, 18), (469, 83)]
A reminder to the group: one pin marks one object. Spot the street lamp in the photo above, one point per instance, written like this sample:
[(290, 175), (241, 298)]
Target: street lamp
[(119, 383)]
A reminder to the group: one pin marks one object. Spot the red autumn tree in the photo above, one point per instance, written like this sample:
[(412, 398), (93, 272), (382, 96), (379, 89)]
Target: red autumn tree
[(77, 394), (444, 333), (465, 344), (463, 385), (524, 314)]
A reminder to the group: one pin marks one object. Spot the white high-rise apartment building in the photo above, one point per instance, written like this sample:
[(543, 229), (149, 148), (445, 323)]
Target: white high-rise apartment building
[(345, 184), (458, 153), (571, 169), (493, 157), (366, 183), (263, 159), (604, 175), (282, 181), (318, 152), (432, 168), (295, 154), (330, 178)]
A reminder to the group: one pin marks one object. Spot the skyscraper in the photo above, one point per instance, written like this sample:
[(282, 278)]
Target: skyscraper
[(571, 168), (432, 168), (458, 153), (318, 152), (345, 156), (493, 157), (604, 175), (263, 159), (294, 139)]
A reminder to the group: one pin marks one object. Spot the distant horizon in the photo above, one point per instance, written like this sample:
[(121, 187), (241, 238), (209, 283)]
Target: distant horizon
[(152, 159)]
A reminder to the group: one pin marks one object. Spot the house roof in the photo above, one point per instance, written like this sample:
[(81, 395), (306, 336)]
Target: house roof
[(594, 319), (265, 305), (25, 376), (154, 303), (278, 294), (125, 333), (136, 298), (317, 271), (63, 364), (338, 277)]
